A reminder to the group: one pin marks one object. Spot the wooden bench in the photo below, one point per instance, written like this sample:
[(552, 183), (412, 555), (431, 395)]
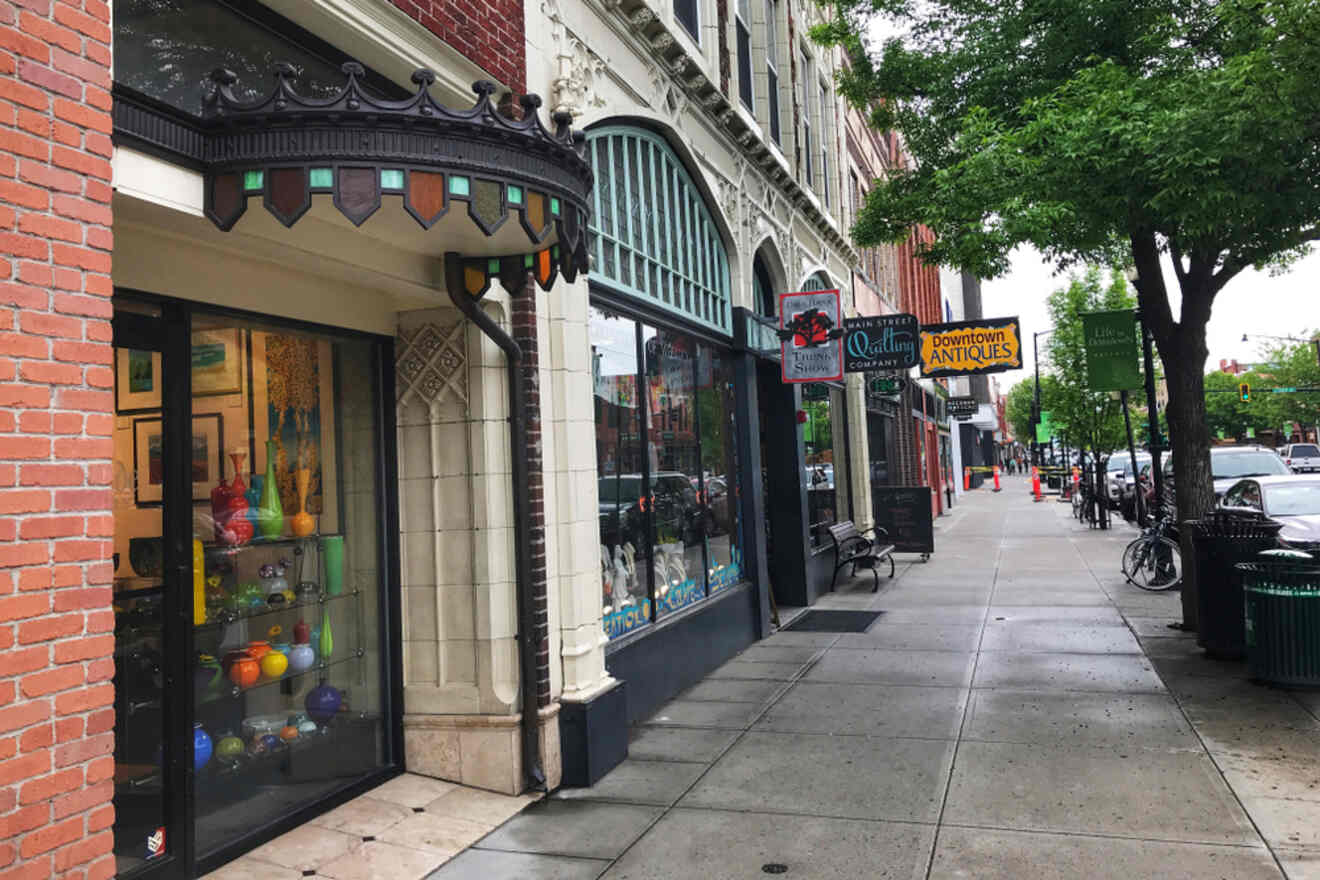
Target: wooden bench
[(852, 548)]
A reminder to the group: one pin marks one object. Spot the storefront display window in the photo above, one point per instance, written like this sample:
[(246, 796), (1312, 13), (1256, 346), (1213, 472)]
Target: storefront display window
[(677, 542), (819, 403), (280, 490), (622, 509)]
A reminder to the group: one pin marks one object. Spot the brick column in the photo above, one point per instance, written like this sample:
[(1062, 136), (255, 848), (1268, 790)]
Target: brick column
[(524, 333), (56, 423)]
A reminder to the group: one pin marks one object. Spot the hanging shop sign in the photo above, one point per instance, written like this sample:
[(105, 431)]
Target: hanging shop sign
[(968, 348), (811, 336), (880, 342), (1045, 427), (886, 384), (962, 407), (1111, 350)]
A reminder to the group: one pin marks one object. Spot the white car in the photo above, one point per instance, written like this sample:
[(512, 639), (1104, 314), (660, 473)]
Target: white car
[(1302, 457)]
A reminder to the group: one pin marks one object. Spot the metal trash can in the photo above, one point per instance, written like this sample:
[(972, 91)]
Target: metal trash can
[(1220, 543), (1282, 621)]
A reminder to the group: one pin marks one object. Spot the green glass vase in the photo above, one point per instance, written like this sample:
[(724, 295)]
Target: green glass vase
[(270, 513)]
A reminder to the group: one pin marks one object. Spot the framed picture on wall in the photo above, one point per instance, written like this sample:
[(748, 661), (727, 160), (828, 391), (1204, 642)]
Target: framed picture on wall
[(217, 361), (148, 461), (137, 381)]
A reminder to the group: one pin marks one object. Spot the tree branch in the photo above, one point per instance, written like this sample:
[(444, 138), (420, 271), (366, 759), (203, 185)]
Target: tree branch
[(1151, 293)]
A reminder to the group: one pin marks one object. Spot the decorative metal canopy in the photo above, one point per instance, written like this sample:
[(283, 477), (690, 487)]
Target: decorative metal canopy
[(465, 175)]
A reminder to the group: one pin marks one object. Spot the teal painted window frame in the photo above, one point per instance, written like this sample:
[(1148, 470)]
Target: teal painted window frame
[(654, 236)]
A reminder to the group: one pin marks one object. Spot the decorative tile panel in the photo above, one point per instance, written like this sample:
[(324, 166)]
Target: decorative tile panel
[(431, 363)]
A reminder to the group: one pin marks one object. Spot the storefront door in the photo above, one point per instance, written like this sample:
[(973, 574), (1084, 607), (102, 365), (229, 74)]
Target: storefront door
[(254, 615)]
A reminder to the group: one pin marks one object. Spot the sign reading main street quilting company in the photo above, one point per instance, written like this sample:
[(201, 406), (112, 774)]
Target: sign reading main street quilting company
[(880, 342), (811, 336), (965, 348)]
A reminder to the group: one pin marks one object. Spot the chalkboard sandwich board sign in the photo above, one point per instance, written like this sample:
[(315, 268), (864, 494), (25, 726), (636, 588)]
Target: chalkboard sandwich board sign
[(905, 513)]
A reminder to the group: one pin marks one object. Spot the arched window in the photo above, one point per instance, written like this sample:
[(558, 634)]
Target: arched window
[(818, 281), (654, 237)]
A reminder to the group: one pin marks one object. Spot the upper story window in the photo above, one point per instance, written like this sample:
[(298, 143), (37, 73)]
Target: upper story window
[(808, 145), (166, 50), (743, 25), (826, 139), (654, 236), (686, 11), (772, 67)]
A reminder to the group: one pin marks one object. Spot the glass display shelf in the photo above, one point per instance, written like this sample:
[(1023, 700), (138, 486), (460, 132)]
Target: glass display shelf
[(267, 610), (222, 547), (231, 691)]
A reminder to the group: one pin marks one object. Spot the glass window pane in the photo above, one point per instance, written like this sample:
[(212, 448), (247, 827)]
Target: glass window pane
[(819, 437), (719, 465), (623, 538), (166, 49), (680, 524), (686, 13), (291, 656)]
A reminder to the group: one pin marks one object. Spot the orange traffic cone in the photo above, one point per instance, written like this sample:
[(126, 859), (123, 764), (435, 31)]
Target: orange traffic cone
[(996, 478), (967, 479), (1035, 482)]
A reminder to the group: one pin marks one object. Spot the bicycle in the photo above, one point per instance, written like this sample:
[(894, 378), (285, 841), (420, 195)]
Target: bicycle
[(1153, 561)]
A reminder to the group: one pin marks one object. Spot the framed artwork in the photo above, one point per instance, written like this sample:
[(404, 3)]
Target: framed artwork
[(217, 361), (148, 462), (137, 380)]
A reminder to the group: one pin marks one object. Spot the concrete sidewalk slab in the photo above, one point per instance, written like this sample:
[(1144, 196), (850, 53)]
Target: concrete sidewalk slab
[(930, 668), (1059, 637), (1079, 719), (573, 828), (867, 710), (1068, 672), (913, 637)]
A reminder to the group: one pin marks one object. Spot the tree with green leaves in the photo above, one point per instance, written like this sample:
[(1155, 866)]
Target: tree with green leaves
[(1018, 408), (1147, 133), (1227, 416), (1294, 365), (1090, 418)]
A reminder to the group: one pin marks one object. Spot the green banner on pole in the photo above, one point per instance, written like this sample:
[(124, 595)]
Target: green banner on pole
[(1045, 428), (1112, 357)]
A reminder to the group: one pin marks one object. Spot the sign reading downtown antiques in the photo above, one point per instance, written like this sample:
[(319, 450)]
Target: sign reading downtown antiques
[(811, 336), (880, 342), (965, 348), (1111, 350), (962, 407)]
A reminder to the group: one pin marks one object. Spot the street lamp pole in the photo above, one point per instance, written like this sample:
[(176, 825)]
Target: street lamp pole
[(1035, 353)]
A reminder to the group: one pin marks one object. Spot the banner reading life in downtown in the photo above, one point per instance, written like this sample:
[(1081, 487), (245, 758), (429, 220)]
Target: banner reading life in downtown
[(964, 348)]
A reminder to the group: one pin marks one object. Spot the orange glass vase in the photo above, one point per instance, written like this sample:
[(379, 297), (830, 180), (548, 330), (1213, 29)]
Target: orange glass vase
[(302, 523)]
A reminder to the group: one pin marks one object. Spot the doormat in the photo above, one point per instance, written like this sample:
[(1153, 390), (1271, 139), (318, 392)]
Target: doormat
[(834, 621)]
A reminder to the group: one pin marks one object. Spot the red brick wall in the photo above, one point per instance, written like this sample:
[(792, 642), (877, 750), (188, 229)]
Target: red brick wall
[(488, 33), (56, 625)]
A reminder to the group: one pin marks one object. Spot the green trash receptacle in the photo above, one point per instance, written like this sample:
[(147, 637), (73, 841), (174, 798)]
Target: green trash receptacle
[(1220, 542), (1282, 621)]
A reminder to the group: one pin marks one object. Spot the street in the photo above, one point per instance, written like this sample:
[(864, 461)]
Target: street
[(1017, 711)]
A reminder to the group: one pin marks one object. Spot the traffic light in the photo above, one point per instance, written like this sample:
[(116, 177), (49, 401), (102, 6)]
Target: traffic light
[(1245, 390)]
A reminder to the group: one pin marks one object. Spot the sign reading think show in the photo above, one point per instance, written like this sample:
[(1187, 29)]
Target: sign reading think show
[(811, 336), (880, 342), (966, 348)]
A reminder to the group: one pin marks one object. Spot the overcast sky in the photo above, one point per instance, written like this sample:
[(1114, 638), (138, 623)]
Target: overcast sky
[(1252, 303)]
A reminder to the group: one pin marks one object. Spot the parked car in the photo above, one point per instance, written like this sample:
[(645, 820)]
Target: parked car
[(1293, 500), (1303, 458), (1228, 464), (678, 513), (1123, 482)]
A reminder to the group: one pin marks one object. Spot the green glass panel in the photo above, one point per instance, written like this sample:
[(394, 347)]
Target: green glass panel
[(391, 178), (458, 186), (515, 195), (493, 266), (253, 180), (322, 178), (527, 261), (554, 206)]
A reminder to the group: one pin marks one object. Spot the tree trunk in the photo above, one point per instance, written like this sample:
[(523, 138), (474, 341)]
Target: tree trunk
[(1189, 432)]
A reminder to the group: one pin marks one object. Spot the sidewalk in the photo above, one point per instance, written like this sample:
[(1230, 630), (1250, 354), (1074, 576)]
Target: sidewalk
[(1016, 712)]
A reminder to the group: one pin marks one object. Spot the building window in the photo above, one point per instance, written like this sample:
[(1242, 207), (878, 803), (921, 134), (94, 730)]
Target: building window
[(743, 26), (823, 405), (654, 237), (825, 140), (686, 13), (772, 66), (807, 145), (668, 491), (854, 194), (167, 51)]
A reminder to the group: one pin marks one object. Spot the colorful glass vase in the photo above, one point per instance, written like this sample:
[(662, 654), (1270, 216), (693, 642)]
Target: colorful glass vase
[(220, 498), (276, 662), (243, 669), (253, 496), (323, 702), (332, 546), (201, 746), (229, 746), (237, 523), (302, 523), (327, 646), (270, 513)]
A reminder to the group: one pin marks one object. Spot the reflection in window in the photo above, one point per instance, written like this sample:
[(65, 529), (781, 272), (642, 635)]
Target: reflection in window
[(622, 503), (818, 435), (166, 49), (719, 465), (680, 523)]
